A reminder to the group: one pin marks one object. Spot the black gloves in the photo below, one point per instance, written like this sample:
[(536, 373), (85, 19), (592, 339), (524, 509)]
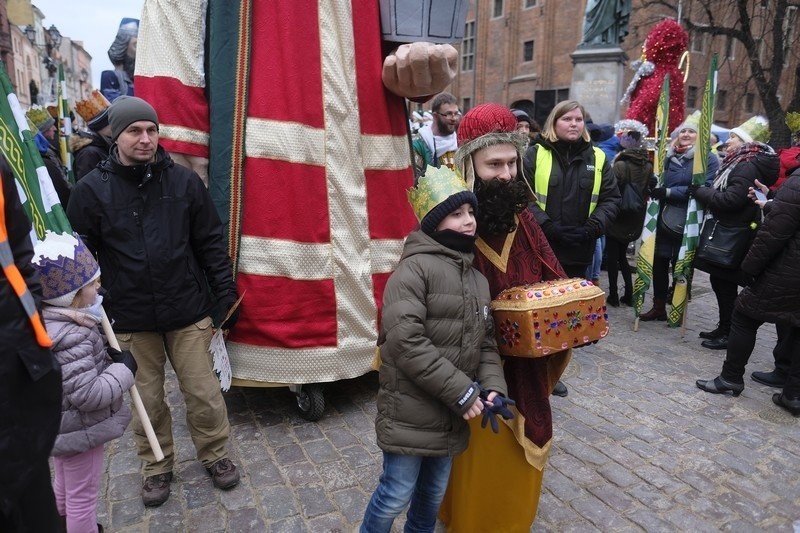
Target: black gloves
[(575, 235), (555, 232), (692, 188), (498, 406), (125, 357), (659, 193), (226, 307), (746, 280)]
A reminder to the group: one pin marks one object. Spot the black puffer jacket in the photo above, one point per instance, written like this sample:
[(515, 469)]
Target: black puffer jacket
[(569, 195), (439, 339), (158, 240), (774, 260)]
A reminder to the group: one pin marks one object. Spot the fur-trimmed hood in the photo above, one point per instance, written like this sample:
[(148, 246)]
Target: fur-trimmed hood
[(464, 152)]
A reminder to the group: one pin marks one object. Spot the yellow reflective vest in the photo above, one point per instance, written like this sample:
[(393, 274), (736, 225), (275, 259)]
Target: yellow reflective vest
[(544, 167)]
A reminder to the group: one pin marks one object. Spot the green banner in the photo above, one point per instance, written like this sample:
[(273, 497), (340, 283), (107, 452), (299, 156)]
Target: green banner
[(682, 273), (38, 195), (644, 261)]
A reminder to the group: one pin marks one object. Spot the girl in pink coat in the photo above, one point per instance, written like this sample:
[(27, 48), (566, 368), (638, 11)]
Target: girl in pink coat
[(94, 378)]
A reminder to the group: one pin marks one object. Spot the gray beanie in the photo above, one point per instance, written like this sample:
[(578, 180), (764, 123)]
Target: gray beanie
[(126, 110)]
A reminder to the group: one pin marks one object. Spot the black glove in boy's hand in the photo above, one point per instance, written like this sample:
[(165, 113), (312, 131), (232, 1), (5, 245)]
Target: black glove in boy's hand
[(498, 406), (125, 357)]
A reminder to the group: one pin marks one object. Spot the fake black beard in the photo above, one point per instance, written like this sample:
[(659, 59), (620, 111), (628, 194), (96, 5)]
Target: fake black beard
[(498, 202)]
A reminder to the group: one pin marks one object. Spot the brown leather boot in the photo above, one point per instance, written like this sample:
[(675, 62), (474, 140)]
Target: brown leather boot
[(658, 312)]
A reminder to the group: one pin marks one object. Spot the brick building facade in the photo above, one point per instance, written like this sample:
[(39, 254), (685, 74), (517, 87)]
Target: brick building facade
[(514, 49)]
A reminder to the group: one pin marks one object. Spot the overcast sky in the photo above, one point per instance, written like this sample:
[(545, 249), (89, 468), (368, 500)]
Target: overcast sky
[(95, 22)]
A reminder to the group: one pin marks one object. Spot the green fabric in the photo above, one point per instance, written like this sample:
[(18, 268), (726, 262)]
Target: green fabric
[(222, 49)]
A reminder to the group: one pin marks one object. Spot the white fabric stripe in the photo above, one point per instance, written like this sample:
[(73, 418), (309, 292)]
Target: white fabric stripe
[(386, 152), (183, 58), (283, 365), (275, 257), (347, 201), (180, 133), (299, 143), (285, 141)]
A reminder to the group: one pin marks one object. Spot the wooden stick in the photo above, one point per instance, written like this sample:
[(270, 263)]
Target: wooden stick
[(137, 400), (636, 324)]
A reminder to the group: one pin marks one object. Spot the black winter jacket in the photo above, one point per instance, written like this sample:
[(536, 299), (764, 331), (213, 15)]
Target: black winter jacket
[(159, 242), (632, 168), (30, 396), (774, 260), (88, 149), (732, 207), (569, 195)]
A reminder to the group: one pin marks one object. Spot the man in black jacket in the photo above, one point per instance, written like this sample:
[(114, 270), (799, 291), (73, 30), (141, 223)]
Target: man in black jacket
[(159, 242), (30, 378)]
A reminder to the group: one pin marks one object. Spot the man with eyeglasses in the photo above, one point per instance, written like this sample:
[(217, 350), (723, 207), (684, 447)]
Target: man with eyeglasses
[(436, 143)]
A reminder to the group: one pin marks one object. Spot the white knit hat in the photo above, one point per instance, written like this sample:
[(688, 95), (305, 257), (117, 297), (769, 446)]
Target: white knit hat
[(65, 266), (754, 129)]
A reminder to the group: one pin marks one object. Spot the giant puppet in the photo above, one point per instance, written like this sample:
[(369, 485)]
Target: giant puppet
[(296, 107)]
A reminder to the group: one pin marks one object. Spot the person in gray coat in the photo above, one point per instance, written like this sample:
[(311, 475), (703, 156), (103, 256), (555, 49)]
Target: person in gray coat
[(92, 407), (439, 359)]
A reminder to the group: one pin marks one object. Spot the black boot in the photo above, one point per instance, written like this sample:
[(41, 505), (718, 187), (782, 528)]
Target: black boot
[(720, 343), (560, 389), (613, 299), (790, 404), (713, 334), (627, 296), (718, 385)]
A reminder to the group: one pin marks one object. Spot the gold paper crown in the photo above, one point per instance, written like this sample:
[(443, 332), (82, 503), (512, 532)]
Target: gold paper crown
[(92, 106), (436, 186), (38, 115), (793, 121), (757, 128)]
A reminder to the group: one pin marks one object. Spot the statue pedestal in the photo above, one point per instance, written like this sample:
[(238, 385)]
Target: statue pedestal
[(597, 81)]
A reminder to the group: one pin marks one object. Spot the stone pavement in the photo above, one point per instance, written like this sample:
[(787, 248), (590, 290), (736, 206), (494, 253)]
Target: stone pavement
[(637, 447)]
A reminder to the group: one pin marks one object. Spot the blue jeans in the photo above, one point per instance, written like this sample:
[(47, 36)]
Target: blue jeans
[(593, 270), (408, 478)]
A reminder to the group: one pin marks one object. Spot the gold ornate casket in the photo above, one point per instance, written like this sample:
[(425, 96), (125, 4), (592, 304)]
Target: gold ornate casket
[(543, 318)]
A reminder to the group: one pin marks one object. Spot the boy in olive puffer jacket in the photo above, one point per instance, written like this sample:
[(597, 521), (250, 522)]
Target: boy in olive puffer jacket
[(438, 352)]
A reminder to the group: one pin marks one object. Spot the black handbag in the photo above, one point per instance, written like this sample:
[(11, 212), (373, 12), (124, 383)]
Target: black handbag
[(631, 203), (672, 219), (722, 245)]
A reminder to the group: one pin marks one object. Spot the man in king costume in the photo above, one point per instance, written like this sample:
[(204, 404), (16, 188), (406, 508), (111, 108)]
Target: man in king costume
[(296, 108), (511, 250)]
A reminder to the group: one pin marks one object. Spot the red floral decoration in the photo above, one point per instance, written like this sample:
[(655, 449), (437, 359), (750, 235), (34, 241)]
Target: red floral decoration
[(664, 46)]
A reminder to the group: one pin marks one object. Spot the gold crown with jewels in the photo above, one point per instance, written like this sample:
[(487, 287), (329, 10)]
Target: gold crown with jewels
[(436, 186)]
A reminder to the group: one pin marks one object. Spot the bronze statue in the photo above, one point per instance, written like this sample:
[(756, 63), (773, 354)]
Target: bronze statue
[(605, 22)]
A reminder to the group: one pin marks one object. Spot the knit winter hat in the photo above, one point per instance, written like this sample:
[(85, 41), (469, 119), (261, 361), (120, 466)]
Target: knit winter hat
[(41, 118), (521, 115), (754, 129), (65, 266), (437, 194), (692, 122), (483, 126), (126, 110)]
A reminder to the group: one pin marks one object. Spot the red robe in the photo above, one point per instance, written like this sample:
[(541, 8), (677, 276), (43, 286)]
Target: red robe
[(530, 260), (314, 171)]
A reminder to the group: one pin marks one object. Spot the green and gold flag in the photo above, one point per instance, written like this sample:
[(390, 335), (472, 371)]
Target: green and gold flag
[(37, 193), (65, 126), (682, 273), (644, 261)]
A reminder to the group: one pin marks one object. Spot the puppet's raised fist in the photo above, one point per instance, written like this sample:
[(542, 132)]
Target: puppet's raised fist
[(420, 69)]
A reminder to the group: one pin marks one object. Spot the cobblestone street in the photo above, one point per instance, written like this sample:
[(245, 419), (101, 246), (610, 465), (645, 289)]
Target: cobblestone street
[(637, 447)]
